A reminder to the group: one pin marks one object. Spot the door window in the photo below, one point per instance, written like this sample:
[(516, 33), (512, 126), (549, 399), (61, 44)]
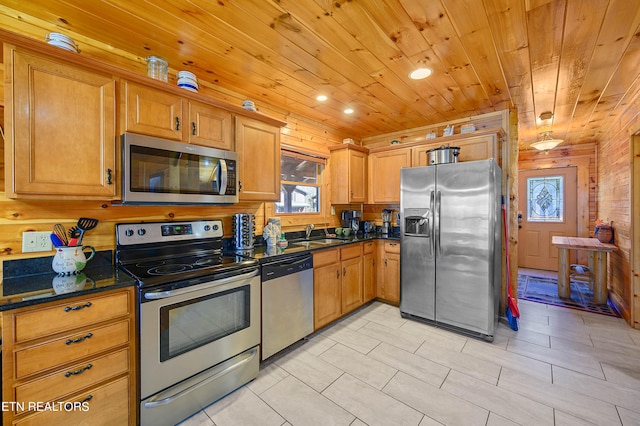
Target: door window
[(545, 199)]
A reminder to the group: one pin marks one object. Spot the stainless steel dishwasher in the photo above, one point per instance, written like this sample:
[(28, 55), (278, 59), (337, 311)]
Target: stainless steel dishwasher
[(287, 302)]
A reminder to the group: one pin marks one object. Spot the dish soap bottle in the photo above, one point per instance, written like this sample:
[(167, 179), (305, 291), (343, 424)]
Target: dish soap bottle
[(283, 242)]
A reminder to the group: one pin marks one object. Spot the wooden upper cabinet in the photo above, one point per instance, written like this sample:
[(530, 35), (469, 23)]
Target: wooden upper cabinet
[(209, 126), (153, 112), (348, 174), (472, 148), (60, 129), (384, 174), (258, 148)]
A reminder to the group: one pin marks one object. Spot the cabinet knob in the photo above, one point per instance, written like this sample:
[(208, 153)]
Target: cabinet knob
[(337, 273), (109, 177), (344, 272), (239, 185), (193, 128), (177, 123), (385, 262)]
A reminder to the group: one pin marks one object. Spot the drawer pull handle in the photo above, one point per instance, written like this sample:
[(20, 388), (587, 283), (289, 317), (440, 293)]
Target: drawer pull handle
[(77, 308), (79, 371), (78, 340)]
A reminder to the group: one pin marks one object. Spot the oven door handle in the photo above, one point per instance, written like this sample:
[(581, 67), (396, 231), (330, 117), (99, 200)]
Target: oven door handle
[(155, 295), (155, 402)]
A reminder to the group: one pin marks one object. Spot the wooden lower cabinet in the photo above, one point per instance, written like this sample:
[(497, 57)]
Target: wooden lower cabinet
[(389, 279), (327, 288), (71, 361), (351, 264), (337, 283), (369, 270)]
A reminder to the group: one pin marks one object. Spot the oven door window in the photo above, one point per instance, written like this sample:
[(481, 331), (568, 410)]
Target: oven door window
[(171, 172), (192, 323)]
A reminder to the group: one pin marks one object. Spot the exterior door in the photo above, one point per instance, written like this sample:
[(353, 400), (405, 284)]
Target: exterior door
[(547, 205)]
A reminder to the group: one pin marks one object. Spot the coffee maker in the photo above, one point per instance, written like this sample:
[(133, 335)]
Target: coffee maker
[(350, 219), (386, 220)]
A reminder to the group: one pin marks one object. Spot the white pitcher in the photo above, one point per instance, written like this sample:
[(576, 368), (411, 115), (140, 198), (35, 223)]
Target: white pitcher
[(68, 260)]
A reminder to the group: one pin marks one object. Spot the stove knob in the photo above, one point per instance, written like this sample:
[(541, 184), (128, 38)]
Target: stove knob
[(142, 231), (215, 227), (128, 232), (207, 228)]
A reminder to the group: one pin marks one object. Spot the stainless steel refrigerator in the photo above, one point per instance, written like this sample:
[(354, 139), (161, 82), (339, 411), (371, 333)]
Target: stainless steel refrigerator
[(451, 245)]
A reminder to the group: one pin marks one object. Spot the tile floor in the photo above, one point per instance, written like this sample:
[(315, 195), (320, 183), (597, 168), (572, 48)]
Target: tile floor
[(563, 367)]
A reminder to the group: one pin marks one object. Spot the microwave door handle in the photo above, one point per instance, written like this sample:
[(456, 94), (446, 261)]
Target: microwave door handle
[(222, 189)]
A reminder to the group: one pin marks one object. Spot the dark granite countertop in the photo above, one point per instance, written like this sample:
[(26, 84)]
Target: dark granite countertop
[(296, 246), (28, 282)]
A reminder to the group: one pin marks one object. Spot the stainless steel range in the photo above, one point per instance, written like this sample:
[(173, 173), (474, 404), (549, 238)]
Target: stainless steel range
[(199, 315)]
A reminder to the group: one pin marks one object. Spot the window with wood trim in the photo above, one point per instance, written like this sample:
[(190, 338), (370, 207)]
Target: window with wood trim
[(300, 183)]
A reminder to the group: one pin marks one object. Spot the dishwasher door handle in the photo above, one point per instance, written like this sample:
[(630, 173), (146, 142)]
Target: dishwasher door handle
[(297, 262)]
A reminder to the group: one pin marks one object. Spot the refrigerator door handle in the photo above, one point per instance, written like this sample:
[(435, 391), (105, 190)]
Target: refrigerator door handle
[(433, 224), (437, 225)]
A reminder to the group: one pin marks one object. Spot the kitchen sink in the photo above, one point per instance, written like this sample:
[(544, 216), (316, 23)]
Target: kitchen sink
[(318, 243)]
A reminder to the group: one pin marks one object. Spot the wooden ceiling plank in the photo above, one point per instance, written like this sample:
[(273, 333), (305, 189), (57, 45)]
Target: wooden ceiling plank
[(620, 22), (507, 21), (625, 86), (578, 44), (545, 25), (472, 26), (449, 57)]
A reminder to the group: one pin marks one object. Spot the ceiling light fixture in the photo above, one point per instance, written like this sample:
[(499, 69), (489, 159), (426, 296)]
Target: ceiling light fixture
[(322, 98), (348, 111), (420, 73), (546, 143)]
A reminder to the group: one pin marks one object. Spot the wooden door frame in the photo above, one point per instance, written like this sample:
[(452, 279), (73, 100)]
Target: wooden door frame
[(634, 309), (582, 195)]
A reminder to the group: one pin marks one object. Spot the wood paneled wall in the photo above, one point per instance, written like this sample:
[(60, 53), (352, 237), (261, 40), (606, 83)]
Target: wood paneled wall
[(614, 204)]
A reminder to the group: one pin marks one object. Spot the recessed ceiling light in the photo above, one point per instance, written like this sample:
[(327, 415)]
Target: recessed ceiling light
[(420, 73), (322, 98), (348, 111)]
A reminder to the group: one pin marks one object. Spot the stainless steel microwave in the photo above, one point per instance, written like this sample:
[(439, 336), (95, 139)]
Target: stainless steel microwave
[(160, 171)]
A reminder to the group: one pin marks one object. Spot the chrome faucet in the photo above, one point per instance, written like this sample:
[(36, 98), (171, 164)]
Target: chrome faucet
[(308, 230)]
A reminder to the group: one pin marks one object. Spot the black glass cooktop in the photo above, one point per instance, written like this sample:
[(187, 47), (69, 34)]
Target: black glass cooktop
[(156, 271)]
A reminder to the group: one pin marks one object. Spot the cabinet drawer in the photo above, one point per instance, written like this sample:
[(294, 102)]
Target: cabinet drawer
[(105, 405), (325, 257), (33, 324), (392, 247), (74, 378), (368, 247), (354, 250), (69, 348)]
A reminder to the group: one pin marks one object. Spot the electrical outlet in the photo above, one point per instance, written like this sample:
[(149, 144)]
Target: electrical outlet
[(36, 241)]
